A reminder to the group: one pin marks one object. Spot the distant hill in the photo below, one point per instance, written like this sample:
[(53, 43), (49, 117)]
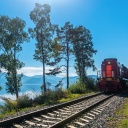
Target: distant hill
[(33, 83), (37, 79)]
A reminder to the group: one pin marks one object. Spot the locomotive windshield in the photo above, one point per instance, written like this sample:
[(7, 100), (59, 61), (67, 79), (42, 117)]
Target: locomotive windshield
[(108, 71)]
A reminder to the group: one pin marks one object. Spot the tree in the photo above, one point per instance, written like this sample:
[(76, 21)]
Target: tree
[(83, 51), (64, 36), (12, 35), (43, 33)]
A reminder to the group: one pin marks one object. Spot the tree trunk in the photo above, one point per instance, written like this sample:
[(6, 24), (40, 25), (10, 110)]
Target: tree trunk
[(44, 75), (67, 65), (43, 60), (15, 73)]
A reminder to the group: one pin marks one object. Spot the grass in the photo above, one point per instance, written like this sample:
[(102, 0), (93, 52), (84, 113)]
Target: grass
[(50, 97), (73, 96), (69, 97), (121, 117)]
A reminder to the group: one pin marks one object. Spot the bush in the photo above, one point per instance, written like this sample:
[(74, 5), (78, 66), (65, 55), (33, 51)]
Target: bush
[(77, 87), (9, 105), (59, 93), (38, 100), (24, 101), (91, 84), (50, 97)]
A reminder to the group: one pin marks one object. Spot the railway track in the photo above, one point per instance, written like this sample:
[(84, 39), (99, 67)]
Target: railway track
[(20, 117), (88, 117), (96, 115), (82, 111)]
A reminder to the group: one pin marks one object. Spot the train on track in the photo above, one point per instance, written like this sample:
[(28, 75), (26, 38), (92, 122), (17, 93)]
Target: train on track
[(113, 77)]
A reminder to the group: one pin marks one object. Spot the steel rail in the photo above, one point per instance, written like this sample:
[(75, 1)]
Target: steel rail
[(82, 119), (18, 119), (74, 116)]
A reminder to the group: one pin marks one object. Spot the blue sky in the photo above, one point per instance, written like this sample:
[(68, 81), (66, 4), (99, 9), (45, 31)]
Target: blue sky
[(106, 19)]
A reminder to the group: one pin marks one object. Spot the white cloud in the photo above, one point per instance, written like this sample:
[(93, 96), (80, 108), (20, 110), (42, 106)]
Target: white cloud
[(31, 71), (3, 70)]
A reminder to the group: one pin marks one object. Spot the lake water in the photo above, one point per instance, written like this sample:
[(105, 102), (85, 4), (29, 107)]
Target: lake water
[(31, 89)]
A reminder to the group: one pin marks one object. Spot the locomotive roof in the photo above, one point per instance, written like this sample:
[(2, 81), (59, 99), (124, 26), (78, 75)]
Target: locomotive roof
[(110, 59)]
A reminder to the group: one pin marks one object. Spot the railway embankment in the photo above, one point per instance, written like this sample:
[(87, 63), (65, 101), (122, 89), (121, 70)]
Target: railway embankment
[(83, 112), (120, 117)]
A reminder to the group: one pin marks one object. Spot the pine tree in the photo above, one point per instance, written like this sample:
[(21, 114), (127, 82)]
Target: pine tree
[(43, 33), (83, 51), (64, 35)]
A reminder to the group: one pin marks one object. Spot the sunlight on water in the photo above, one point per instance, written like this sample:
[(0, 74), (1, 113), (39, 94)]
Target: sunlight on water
[(31, 94), (30, 89)]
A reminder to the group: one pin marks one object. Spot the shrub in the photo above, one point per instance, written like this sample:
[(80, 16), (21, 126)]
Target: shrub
[(59, 93), (91, 84), (9, 105), (24, 101), (77, 87), (38, 100), (50, 97)]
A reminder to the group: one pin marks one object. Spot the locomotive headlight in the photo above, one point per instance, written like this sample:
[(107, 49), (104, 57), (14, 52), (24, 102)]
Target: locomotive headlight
[(109, 62)]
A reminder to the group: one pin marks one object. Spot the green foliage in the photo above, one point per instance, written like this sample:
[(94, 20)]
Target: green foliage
[(77, 88), (64, 40), (11, 87), (8, 106), (124, 123), (12, 35), (50, 97), (24, 101), (69, 96), (43, 33), (91, 84), (38, 100), (83, 51), (59, 93)]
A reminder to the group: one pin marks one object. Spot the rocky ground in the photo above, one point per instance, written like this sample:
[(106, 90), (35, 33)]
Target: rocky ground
[(119, 119)]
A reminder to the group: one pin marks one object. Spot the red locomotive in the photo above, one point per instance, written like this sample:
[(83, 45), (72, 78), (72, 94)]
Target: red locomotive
[(114, 76)]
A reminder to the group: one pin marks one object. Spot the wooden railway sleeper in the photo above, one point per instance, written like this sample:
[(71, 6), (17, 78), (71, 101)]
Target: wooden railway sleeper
[(79, 124), (51, 114), (70, 126), (66, 113), (33, 124), (88, 120), (47, 117), (39, 121), (54, 116), (18, 126)]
